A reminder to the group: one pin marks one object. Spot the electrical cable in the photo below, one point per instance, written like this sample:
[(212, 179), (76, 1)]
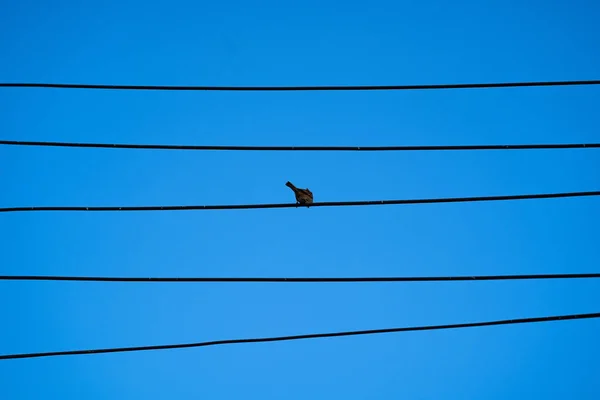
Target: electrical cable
[(293, 205), (307, 336), (302, 88), (299, 280), (304, 148)]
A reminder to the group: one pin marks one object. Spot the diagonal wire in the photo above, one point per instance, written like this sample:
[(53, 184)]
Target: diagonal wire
[(307, 336), (303, 88), (305, 148), (299, 280), (318, 204)]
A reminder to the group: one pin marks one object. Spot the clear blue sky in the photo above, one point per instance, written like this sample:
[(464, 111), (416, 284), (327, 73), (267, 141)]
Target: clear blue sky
[(299, 43)]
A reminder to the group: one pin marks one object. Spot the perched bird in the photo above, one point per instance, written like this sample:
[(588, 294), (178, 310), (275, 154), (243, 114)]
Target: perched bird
[(303, 196)]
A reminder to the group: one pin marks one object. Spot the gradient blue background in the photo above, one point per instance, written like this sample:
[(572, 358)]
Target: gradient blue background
[(299, 43)]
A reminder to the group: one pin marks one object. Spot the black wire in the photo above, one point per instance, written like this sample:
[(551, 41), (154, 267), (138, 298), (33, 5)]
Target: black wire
[(291, 205), (299, 280), (298, 337), (305, 148), (303, 88)]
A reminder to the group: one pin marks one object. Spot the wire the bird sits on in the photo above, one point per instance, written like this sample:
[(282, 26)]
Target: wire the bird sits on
[(306, 148), (322, 204), (307, 336)]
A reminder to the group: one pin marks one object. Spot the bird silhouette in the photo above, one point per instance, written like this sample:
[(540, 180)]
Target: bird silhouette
[(303, 196)]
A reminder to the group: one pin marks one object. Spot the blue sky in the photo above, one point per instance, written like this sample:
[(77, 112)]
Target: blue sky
[(299, 43)]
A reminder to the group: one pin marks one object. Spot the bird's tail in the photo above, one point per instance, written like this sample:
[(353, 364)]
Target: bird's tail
[(291, 186)]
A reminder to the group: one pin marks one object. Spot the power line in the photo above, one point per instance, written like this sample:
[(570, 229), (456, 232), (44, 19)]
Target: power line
[(308, 336), (293, 205), (298, 280), (302, 88), (304, 148)]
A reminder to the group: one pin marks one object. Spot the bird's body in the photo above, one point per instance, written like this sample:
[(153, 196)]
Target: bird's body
[(303, 196)]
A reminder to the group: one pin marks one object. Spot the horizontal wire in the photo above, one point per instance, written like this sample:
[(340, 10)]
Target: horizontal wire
[(299, 337), (305, 148), (302, 88), (293, 205), (298, 280)]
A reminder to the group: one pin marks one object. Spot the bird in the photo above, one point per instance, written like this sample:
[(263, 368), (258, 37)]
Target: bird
[(303, 196)]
